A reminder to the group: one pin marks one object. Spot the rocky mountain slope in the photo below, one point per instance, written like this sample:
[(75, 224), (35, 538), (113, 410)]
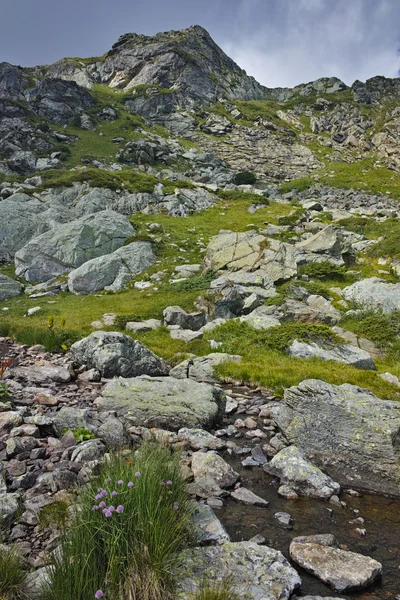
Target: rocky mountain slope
[(164, 215)]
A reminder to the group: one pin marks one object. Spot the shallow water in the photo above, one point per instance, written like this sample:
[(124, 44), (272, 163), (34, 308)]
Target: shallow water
[(381, 516), (382, 522)]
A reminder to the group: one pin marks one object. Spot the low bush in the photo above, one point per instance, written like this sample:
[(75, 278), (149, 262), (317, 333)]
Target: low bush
[(216, 591), (323, 271), (244, 178), (196, 283), (52, 341), (382, 329), (129, 525)]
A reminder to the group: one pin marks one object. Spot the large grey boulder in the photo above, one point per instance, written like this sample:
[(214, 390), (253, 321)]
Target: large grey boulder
[(344, 571), (255, 572), (330, 241), (58, 100), (260, 318), (22, 162), (202, 367), (113, 270), (9, 507), (9, 287), (163, 402), (114, 354), (208, 530), (346, 430), (343, 353), (70, 245), (299, 475), (175, 315), (374, 293)]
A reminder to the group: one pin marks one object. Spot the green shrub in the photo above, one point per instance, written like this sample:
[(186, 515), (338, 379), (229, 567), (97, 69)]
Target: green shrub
[(382, 329), (12, 574), (54, 515), (129, 552), (196, 283), (80, 435), (292, 219), (324, 271), (244, 178), (216, 591), (52, 341)]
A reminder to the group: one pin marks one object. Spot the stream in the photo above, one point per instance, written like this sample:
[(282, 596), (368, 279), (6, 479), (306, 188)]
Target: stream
[(311, 516)]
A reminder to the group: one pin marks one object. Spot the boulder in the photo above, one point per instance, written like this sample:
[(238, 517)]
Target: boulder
[(175, 315), (346, 430), (9, 288), (343, 353), (114, 354), (41, 374), (163, 402), (208, 530), (113, 270), (374, 293), (294, 310), (70, 245), (329, 241), (261, 318), (22, 162), (209, 464), (301, 476), (344, 571), (9, 507), (59, 100), (254, 572), (247, 497), (200, 439), (202, 367)]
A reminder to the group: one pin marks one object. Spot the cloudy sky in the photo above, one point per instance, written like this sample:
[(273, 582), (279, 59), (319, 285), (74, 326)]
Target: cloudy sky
[(279, 42)]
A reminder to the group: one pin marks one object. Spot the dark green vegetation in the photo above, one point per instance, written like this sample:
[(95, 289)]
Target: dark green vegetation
[(382, 329), (129, 551), (323, 271), (244, 178)]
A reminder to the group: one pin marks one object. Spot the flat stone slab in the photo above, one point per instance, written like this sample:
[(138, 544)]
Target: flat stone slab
[(246, 496), (202, 367), (163, 402), (343, 353), (254, 572), (344, 571), (208, 530), (9, 287)]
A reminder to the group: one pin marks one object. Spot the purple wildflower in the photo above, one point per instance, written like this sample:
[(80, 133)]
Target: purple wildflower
[(104, 493), (105, 510), (169, 482), (114, 493), (99, 594), (130, 484), (111, 508), (95, 507), (163, 483), (107, 513), (137, 474), (102, 505), (120, 508), (120, 482), (98, 496), (175, 505)]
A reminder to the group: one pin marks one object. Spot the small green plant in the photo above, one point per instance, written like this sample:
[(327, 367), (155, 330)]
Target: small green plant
[(54, 515), (196, 283), (244, 178), (4, 391), (324, 271), (12, 574), (129, 527), (80, 435), (216, 591)]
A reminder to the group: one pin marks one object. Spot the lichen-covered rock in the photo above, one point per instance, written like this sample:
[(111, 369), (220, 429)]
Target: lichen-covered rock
[(202, 367), (9, 288), (114, 354), (70, 245), (344, 571), (207, 529), (300, 475), (342, 353), (113, 270), (175, 315), (374, 293), (255, 572), (163, 402), (346, 430), (209, 464)]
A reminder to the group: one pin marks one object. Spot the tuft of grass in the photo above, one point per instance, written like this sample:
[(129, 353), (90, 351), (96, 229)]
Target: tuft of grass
[(132, 552), (322, 271), (52, 341), (54, 515), (382, 329), (215, 591), (12, 574)]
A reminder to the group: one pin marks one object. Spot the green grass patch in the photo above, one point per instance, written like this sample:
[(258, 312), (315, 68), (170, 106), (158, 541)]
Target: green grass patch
[(133, 181), (382, 329), (323, 271), (130, 552), (12, 574)]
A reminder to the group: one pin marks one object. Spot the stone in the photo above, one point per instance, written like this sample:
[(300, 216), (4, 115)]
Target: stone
[(343, 353), (9, 288), (200, 439), (111, 271), (344, 571), (88, 451), (247, 497), (186, 335), (329, 241), (175, 315), (41, 374), (22, 162), (255, 572), (114, 354), (284, 519), (209, 464), (346, 430), (71, 244), (374, 293), (260, 318), (206, 487), (9, 507), (36, 582), (208, 530), (163, 402), (300, 475), (202, 367)]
